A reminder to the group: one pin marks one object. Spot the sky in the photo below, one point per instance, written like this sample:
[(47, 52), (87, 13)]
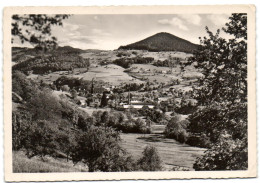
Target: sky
[(108, 32)]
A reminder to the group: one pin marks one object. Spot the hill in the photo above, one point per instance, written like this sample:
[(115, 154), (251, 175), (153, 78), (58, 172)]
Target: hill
[(162, 42), (21, 54), (36, 51), (60, 59)]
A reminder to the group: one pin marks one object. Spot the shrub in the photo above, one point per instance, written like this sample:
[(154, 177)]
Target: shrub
[(201, 140), (176, 129), (20, 122), (23, 86), (40, 139), (150, 161), (42, 105), (226, 154), (99, 149)]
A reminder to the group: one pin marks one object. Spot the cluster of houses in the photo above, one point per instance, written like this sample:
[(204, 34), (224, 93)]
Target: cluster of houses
[(168, 98)]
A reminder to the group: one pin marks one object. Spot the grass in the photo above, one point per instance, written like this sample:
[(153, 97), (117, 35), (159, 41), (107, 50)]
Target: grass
[(115, 75), (22, 164), (172, 153), (111, 73)]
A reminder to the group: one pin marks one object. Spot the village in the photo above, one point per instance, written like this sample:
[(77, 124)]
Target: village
[(95, 95)]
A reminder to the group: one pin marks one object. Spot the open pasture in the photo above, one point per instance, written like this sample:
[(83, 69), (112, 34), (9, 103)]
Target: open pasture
[(172, 153)]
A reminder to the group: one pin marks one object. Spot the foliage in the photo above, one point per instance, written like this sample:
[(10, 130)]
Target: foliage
[(176, 129), (36, 28), (226, 154), (119, 122), (132, 87), (172, 61), (224, 66), (45, 126), (20, 121), (51, 63), (22, 86), (74, 94), (104, 100), (152, 114), (99, 149), (40, 139), (223, 94), (44, 106), (150, 161), (127, 62)]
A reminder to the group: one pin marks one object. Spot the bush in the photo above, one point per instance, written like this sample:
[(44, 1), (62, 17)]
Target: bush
[(99, 149), (150, 161), (176, 129), (117, 121), (20, 122), (199, 140), (42, 105), (226, 154), (40, 139), (22, 86)]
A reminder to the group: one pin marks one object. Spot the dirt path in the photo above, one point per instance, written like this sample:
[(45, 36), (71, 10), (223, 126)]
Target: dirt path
[(172, 153)]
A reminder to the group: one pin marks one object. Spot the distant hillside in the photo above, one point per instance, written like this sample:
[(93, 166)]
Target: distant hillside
[(21, 54), (32, 51), (162, 42), (60, 59), (69, 49)]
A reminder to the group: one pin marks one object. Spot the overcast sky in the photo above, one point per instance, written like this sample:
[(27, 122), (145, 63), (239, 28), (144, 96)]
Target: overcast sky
[(108, 32)]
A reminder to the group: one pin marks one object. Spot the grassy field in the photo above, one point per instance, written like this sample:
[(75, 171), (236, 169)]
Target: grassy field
[(111, 73), (22, 164), (115, 75), (172, 153)]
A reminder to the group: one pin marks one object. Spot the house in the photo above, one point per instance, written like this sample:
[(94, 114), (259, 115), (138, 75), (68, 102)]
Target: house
[(164, 72), (138, 105), (162, 99)]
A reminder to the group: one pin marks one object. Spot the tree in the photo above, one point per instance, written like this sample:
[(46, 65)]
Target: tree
[(22, 86), (36, 28), (40, 139), (150, 161), (99, 149), (43, 105), (226, 154), (74, 94), (223, 94), (20, 121), (176, 129), (103, 100), (223, 64)]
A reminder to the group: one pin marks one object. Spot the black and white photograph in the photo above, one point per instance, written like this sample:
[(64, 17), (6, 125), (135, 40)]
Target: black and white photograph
[(130, 92)]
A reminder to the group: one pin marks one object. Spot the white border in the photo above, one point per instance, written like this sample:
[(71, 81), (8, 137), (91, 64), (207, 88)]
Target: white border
[(129, 175)]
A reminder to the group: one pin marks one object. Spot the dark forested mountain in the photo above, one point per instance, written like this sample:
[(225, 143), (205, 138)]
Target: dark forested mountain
[(162, 42)]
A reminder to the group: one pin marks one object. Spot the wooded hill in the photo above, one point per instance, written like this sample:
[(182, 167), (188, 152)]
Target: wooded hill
[(162, 42)]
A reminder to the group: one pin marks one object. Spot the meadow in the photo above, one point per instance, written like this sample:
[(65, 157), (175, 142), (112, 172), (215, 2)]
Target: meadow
[(22, 164), (172, 153)]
